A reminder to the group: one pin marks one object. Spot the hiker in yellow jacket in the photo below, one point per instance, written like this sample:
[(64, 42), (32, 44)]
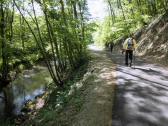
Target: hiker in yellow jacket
[(129, 46)]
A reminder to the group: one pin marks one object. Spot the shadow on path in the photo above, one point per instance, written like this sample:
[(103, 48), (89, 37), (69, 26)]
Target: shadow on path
[(141, 97)]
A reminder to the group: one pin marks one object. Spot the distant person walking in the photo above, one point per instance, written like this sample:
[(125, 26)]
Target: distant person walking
[(111, 46), (129, 46)]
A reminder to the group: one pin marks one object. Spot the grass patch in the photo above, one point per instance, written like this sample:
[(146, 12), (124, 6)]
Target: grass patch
[(59, 99)]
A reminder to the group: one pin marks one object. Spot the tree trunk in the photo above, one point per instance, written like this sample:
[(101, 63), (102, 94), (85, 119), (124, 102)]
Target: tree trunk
[(8, 97), (3, 46)]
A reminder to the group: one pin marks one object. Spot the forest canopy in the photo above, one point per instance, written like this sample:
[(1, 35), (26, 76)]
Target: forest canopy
[(46, 30), (59, 31), (125, 17)]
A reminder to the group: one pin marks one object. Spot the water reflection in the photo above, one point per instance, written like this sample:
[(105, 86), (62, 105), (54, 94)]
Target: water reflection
[(28, 85)]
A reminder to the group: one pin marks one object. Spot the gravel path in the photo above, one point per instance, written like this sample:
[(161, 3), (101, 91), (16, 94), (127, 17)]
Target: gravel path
[(97, 108), (92, 105)]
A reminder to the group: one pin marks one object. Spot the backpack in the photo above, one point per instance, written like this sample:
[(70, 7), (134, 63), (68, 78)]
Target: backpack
[(130, 44)]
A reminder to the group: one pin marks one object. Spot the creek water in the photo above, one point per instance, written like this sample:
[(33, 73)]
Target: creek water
[(28, 85)]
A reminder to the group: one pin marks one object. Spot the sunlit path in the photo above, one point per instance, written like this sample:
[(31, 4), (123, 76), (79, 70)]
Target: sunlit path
[(97, 108), (142, 94), (93, 47)]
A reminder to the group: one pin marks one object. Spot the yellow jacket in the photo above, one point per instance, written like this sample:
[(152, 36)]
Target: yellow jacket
[(125, 44)]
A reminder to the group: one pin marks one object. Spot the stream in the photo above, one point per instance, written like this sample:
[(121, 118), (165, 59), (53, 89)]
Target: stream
[(28, 85)]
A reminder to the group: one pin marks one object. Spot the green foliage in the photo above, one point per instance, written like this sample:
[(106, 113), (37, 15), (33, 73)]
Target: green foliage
[(59, 98), (50, 30), (126, 17), (56, 32)]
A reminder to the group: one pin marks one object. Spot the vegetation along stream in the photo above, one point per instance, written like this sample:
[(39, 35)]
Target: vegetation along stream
[(29, 84)]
